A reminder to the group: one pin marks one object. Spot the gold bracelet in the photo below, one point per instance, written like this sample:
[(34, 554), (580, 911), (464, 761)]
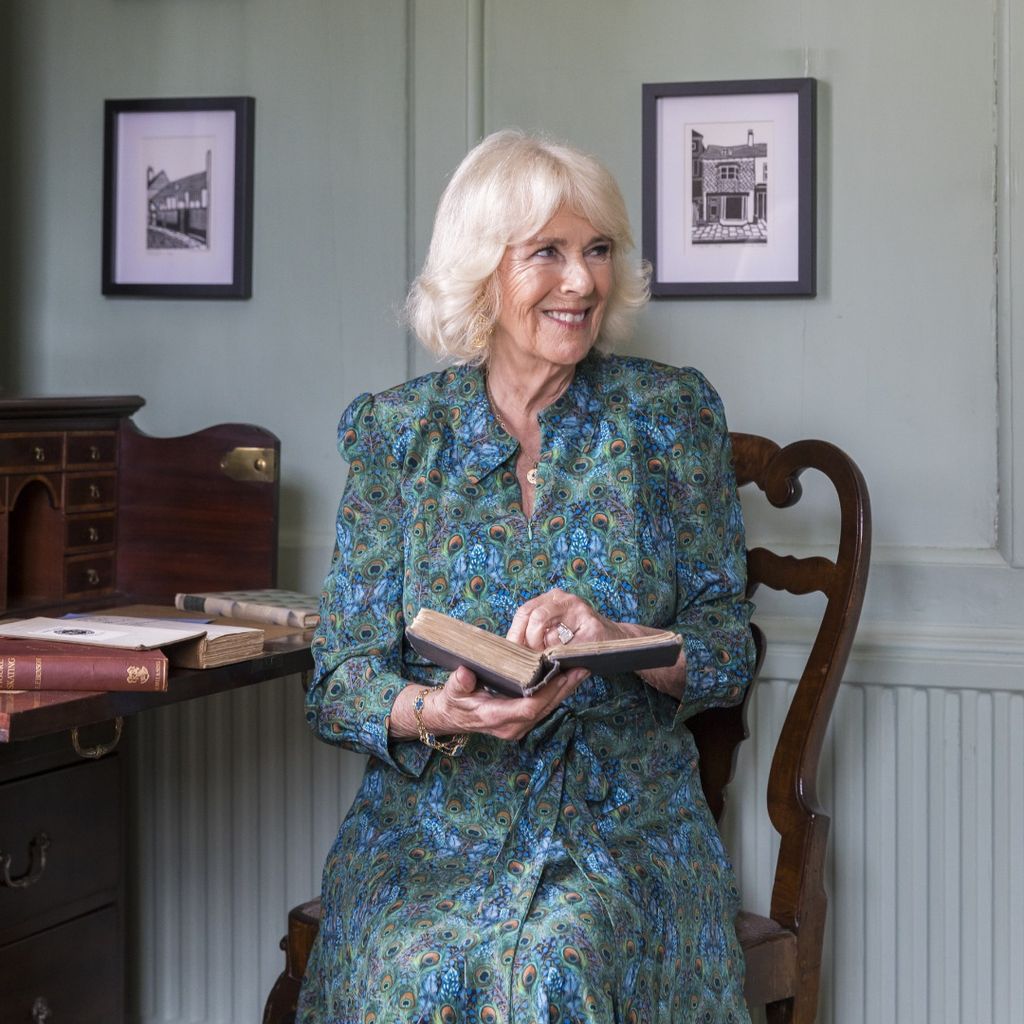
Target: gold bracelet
[(428, 739)]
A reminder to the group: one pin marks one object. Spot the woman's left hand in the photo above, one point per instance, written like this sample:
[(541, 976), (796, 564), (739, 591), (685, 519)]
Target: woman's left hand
[(536, 625)]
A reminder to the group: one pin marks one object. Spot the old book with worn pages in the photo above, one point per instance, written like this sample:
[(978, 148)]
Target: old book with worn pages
[(516, 671)]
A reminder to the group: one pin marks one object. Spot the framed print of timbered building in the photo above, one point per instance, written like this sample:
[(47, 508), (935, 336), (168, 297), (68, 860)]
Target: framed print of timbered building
[(177, 197), (729, 187)]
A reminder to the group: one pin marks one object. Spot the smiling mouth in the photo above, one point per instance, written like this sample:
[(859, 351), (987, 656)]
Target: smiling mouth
[(564, 316)]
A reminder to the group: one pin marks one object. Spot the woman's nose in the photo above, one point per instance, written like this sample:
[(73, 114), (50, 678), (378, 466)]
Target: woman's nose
[(577, 277)]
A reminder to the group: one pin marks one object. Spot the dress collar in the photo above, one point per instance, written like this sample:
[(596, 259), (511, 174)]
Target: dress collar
[(572, 420), (481, 443)]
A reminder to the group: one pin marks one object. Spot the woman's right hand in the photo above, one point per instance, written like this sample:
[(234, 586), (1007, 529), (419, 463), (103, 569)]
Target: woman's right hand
[(460, 706)]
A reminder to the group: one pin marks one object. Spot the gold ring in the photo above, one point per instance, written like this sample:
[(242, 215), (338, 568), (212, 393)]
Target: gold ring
[(565, 634)]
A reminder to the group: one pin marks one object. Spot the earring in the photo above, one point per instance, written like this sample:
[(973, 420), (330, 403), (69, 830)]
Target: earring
[(480, 326)]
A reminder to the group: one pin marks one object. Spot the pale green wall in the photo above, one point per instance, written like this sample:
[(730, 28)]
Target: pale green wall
[(330, 223), (363, 106), (910, 357)]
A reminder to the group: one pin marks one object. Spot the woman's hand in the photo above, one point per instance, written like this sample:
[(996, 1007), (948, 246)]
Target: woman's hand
[(536, 623), (460, 706)]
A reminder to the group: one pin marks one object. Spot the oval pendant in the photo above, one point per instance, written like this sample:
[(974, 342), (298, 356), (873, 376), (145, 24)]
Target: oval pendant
[(531, 475)]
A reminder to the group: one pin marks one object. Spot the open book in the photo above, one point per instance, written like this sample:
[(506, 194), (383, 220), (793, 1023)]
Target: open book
[(517, 671)]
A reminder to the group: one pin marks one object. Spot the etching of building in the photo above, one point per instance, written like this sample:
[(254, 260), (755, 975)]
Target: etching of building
[(730, 183), (181, 206)]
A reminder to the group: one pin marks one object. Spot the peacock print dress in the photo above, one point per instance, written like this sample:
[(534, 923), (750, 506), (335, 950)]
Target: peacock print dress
[(576, 875)]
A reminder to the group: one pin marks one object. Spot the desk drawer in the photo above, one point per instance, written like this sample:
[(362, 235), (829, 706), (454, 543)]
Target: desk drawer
[(85, 533), (86, 491), (88, 574), (91, 449), (78, 810), (70, 973), (35, 451)]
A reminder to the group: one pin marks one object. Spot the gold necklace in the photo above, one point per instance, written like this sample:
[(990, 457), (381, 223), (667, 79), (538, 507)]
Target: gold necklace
[(531, 474)]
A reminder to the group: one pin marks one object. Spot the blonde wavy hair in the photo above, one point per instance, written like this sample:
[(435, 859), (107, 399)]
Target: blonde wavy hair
[(504, 191)]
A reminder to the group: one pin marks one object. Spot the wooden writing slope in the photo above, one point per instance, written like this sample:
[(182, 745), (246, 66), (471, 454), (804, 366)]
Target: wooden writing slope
[(95, 513)]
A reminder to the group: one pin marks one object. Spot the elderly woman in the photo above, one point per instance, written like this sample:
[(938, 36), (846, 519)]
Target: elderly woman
[(547, 858)]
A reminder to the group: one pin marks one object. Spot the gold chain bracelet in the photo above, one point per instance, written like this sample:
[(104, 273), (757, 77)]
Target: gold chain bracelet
[(453, 746)]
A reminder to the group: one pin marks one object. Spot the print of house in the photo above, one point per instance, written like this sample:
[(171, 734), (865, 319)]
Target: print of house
[(180, 206), (730, 183)]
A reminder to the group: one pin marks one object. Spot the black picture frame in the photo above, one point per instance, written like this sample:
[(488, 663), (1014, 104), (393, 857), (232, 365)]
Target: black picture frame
[(729, 187), (178, 197)]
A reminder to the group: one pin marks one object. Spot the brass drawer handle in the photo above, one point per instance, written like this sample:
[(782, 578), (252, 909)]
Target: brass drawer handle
[(101, 749), (94, 492), (94, 535), (41, 1011), (94, 453), (39, 453), (37, 864), (92, 576)]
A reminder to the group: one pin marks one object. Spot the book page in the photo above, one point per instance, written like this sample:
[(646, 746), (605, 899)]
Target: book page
[(81, 630)]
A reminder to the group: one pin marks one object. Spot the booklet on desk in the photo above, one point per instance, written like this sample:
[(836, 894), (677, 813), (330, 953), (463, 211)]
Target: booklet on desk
[(518, 671), (186, 644)]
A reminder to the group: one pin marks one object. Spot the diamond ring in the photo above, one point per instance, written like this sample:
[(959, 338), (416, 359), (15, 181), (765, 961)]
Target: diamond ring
[(565, 634)]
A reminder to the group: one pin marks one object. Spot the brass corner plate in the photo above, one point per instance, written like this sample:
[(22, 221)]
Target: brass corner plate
[(252, 465)]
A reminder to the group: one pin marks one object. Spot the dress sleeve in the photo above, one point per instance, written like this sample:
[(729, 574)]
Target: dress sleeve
[(712, 612), (357, 648)]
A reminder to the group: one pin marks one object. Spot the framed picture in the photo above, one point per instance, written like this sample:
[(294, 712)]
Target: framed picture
[(177, 197), (729, 187)]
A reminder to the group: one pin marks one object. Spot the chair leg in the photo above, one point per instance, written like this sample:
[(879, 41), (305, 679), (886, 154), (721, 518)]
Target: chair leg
[(780, 1012), (303, 925), (800, 1009), (283, 999)]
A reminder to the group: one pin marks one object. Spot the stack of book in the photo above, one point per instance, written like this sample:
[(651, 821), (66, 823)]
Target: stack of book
[(115, 652)]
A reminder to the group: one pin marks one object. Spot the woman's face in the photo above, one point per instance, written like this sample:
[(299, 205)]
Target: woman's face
[(554, 289)]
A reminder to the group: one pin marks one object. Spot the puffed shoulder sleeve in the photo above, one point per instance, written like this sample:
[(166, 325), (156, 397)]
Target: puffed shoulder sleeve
[(712, 612), (357, 648)]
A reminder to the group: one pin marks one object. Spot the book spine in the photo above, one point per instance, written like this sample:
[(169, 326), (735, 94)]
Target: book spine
[(138, 671)]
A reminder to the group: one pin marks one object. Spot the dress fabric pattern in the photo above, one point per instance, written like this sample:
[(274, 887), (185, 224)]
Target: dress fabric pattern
[(576, 875)]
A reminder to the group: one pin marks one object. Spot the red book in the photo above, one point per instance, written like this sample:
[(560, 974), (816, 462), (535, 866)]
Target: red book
[(55, 665)]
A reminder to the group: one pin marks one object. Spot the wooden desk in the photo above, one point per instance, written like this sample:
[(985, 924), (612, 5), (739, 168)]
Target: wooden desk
[(93, 512), (28, 716), (62, 921)]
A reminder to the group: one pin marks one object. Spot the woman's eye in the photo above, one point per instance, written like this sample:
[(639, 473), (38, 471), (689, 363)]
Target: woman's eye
[(546, 252), (600, 252)]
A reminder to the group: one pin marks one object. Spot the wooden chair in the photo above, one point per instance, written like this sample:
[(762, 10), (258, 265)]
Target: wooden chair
[(783, 950)]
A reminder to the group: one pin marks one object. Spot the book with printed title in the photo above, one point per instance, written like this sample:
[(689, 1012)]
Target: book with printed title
[(32, 664), (518, 671)]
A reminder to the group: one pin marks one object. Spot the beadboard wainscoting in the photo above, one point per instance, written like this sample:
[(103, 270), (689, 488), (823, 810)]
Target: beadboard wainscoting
[(235, 805)]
